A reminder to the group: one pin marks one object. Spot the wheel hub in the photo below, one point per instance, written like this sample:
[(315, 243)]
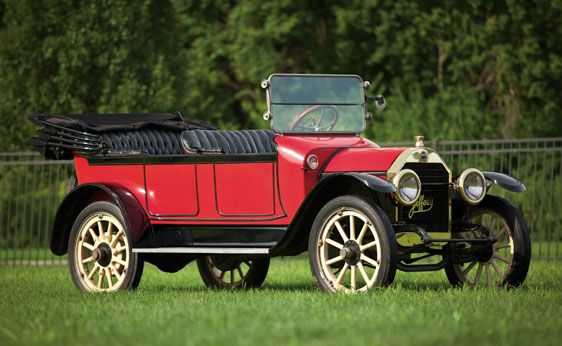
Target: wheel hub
[(351, 252), (483, 252), (102, 254), (224, 263)]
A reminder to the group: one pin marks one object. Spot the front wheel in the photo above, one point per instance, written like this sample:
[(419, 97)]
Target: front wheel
[(100, 251), (510, 256), (352, 246), (224, 272)]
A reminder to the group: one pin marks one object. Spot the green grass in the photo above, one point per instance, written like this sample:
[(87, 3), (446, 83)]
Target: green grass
[(39, 305)]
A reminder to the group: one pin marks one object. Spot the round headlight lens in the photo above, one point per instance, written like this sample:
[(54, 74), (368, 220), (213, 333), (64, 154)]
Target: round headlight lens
[(472, 186), (408, 186)]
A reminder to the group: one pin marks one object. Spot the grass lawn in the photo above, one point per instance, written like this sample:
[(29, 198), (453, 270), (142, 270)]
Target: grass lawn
[(39, 305)]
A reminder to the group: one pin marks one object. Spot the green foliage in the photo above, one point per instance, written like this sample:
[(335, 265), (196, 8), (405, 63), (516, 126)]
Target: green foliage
[(449, 70)]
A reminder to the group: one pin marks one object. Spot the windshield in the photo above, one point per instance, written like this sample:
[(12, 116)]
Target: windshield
[(316, 103)]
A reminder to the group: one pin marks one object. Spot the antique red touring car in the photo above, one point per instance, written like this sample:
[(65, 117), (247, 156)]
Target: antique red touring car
[(161, 189)]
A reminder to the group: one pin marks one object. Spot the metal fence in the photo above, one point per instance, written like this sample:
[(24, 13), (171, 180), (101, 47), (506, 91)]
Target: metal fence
[(31, 189)]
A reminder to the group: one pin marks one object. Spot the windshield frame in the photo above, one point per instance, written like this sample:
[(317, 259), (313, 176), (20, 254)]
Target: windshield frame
[(266, 84)]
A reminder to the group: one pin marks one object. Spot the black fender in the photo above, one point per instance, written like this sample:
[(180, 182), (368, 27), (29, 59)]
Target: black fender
[(76, 200), (506, 181), (372, 182), (331, 186)]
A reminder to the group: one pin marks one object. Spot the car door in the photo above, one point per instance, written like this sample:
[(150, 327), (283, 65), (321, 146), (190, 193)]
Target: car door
[(245, 189), (171, 189)]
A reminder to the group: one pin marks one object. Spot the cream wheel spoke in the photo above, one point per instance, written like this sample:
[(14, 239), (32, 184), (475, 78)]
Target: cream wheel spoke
[(501, 258), (240, 272), (109, 278), (496, 268), (341, 231), (120, 261), (87, 260), (116, 238), (116, 272), (100, 231), (88, 246), (503, 245), (364, 274), (488, 276), (93, 234), (342, 273), (492, 223), (118, 250), (369, 260), (94, 270), (469, 267), (500, 234), (334, 260), (478, 275), (353, 278), (100, 278), (221, 275), (334, 243), (362, 232), (351, 227), (368, 246), (108, 237)]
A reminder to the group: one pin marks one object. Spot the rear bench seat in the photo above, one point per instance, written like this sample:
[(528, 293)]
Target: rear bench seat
[(228, 142), (146, 141), (169, 142)]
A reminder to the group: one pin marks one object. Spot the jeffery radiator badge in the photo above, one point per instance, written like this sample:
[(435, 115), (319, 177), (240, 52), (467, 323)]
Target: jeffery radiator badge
[(422, 205)]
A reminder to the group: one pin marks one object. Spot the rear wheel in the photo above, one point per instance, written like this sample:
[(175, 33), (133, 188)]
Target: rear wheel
[(224, 272), (352, 246), (100, 251), (510, 257)]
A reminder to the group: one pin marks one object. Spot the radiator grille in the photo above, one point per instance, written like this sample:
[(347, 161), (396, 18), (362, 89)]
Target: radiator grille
[(431, 212)]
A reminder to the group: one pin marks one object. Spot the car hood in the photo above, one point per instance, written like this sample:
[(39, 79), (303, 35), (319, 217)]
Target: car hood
[(371, 160), (338, 153)]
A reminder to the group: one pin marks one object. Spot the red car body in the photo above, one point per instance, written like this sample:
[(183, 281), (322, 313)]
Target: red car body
[(264, 192)]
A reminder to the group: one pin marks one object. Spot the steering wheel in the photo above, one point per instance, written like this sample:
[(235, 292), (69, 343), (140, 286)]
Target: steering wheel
[(309, 124)]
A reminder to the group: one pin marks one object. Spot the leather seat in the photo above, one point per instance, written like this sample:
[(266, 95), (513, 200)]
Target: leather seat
[(228, 142), (147, 141)]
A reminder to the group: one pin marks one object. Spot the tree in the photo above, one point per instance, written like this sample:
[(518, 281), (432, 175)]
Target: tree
[(449, 70)]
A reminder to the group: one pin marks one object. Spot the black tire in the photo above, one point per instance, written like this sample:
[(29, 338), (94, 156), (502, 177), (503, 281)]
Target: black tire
[(222, 272), (517, 234), (72, 182), (379, 228), (113, 250)]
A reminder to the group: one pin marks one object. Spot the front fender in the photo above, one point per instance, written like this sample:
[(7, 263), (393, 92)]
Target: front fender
[(76, 200), (506, 181), (331, 186), (372, 182)]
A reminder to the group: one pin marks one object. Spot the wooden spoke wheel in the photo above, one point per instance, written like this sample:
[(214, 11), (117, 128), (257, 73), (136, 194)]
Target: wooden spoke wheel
[(351, 246), (101, 257), (509, 258), (224, 272)]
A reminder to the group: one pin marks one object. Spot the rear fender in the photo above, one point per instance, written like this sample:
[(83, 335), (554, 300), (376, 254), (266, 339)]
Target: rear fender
[(76, 200), (371, 188), (506, 181)]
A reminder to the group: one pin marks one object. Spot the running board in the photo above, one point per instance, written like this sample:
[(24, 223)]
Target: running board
[(206, 250)]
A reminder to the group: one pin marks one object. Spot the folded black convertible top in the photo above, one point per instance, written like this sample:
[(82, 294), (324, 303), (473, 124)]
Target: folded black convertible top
[(99, 123), (61, 134)]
